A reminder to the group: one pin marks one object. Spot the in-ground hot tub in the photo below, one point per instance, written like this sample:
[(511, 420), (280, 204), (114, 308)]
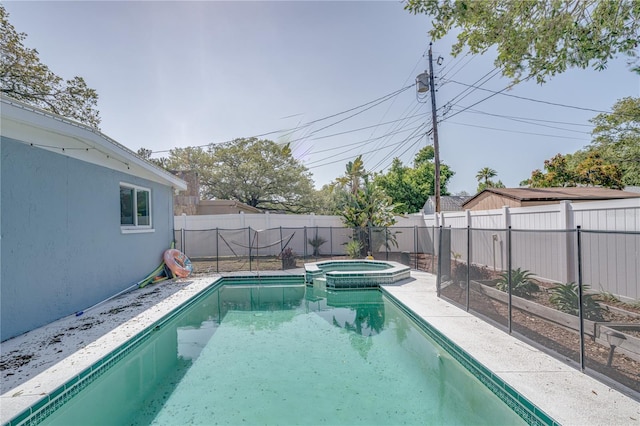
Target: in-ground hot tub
[(349, 274)]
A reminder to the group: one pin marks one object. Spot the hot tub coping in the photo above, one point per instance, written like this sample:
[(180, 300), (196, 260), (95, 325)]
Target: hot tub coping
[(391, 274)]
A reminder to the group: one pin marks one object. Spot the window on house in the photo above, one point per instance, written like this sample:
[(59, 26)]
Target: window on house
[(135, 207)]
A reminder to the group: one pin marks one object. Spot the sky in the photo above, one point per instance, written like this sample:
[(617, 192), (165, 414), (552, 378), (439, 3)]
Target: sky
[(335, 79)]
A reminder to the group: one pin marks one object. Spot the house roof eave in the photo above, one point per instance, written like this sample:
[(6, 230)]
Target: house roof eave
[(28, 124)]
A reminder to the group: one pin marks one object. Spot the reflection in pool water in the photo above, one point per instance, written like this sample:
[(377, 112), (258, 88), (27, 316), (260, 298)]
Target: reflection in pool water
[(287, 354)]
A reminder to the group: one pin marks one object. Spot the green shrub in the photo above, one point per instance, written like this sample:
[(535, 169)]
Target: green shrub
[(288, 257), (565, 298), (353, 249), (522, 284), (316, 243), (459, 272)]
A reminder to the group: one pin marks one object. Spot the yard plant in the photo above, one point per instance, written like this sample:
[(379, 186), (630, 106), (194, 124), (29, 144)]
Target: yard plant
[(522, 284), (288, 257), (316, 242), (353, 249), (565, 298)]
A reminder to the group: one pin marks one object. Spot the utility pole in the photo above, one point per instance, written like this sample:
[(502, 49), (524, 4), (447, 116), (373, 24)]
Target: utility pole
[(434, 117)]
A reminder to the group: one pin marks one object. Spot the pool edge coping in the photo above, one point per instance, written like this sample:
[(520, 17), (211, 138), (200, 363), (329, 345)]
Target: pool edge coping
[(74, 384), (420, 276), (50, 402)]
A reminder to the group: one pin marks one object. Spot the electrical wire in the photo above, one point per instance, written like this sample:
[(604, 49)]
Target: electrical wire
[(411, 75), (514, 131), (359, 144), (469, 90), (527, 121), (472, 105), (349, 158), (387, 157), (364, 142), (381, 99), (360, 112), (406, 114), (531, 99)]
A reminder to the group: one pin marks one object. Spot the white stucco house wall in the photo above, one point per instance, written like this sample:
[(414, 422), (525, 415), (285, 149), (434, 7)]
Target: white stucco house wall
[(82, 217)]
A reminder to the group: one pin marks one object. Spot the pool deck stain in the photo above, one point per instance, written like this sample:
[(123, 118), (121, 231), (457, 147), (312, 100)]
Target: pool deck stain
[(36, 363)]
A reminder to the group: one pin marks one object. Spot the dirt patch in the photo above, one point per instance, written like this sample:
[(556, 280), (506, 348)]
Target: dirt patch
[(562, 340), (205, 266), (119, 309), (15, 361), (55, 339), (144, 296)]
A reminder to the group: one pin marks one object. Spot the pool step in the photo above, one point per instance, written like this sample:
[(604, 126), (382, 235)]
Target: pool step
[(320, 282)]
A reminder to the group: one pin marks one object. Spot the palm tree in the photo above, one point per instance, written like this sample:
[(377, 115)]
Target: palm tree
[(353, 175), (485, 174)]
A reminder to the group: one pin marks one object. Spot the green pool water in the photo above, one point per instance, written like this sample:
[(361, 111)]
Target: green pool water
[(287, 355)]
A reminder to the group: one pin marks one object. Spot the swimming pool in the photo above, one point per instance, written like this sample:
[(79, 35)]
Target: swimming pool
[(279, 353)]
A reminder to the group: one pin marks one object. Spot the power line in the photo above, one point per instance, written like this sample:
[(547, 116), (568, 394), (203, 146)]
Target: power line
[(411, 74), (531, 99), (360, 112), (363, 142), (405, 151), (473, 87), (515, 131), (381, 99), (528, 121), (361, 128), (350, 157), (413, 134), (461, 68), (472, 105), (406, 114)]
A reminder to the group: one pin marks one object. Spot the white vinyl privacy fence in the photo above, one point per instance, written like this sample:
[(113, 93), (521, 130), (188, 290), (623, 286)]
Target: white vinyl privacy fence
[(551, 241)]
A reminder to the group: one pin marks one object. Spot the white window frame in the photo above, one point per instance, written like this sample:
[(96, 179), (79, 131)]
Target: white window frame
[(135, 227)]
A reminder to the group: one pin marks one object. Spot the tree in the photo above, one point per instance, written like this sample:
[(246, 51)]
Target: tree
[(557, 174), (328, 201), (538, 38), (25, 78), (260, 173), (486, 173), (365, 210), (568, 170), (612, 159), (489, 184), (410, 187), (363, 205), (484, 176), (617, 138), (146, 154), (353, 175), (595, 171)]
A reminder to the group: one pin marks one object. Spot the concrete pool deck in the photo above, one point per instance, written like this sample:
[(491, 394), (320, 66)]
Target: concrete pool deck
[(36, 363)]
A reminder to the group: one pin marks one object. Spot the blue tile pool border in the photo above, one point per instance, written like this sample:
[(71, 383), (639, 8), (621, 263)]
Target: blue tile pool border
[(356, 274), (524, 408), (40, 410)]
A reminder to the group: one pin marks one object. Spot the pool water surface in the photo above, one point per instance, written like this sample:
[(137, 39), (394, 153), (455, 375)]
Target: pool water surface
[(286, 354)]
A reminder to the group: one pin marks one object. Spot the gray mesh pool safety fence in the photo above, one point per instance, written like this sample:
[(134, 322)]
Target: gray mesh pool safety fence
[(572, 293)]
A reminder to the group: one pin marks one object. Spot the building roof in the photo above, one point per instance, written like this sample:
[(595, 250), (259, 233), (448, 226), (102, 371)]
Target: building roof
[(231, 203), (448, 203), (45, 130), (557, 194)]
